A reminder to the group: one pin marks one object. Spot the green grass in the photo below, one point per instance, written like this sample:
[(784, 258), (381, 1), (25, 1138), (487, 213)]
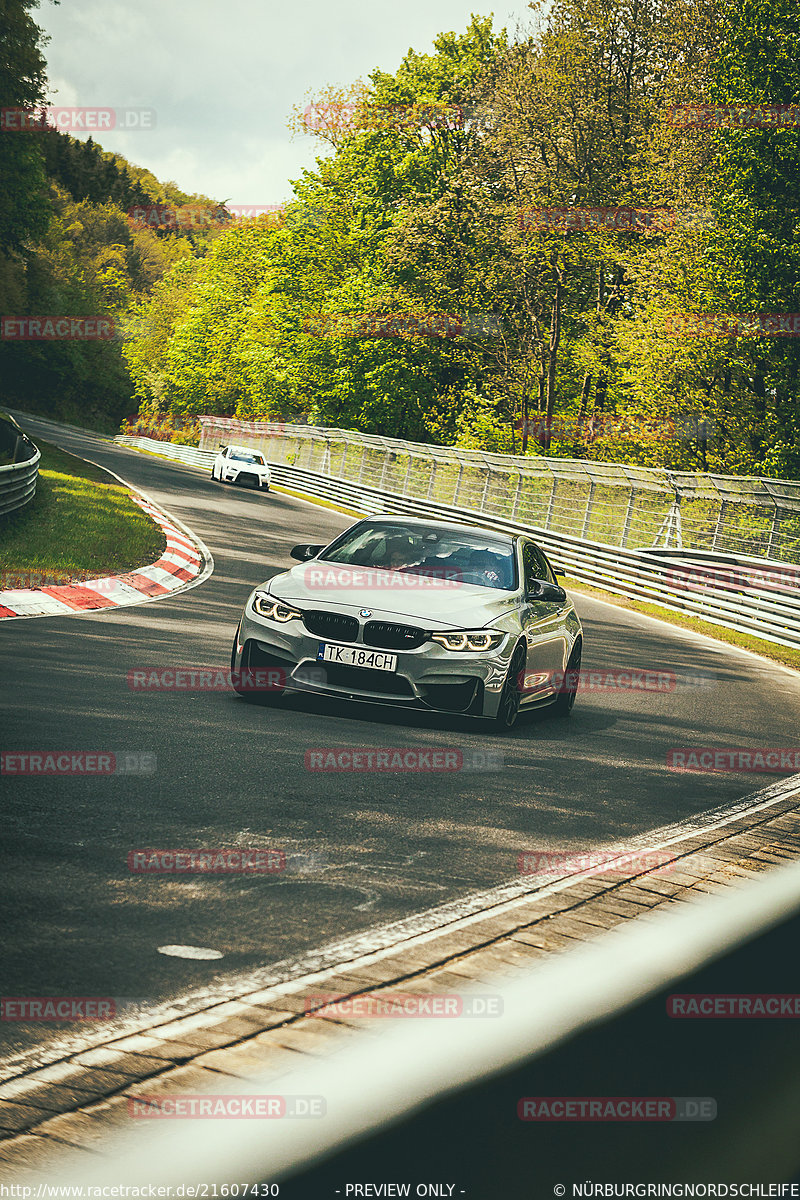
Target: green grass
[(747, 641), (81, 523)]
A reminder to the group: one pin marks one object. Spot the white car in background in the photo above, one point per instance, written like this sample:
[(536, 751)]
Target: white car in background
[(241, 464)]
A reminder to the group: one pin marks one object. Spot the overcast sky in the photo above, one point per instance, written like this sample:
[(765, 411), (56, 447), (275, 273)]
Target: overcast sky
[(223, 75)]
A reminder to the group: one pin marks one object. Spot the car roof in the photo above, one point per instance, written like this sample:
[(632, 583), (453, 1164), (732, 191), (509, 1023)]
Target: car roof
[(433, 523), (246, 449)]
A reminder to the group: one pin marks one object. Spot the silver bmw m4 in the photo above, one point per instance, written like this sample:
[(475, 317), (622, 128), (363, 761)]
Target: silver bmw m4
[(415, 613)]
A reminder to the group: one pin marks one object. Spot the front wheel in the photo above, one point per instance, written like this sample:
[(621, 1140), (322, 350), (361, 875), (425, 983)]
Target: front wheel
[(569, 689), (508, 709)]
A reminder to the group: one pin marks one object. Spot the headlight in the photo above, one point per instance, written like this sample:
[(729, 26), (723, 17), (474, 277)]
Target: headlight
[(274, 610), (469, 639)]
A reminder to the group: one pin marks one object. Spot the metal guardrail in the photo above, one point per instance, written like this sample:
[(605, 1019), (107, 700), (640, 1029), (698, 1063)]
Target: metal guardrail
[(437, 1100), (17, 478), (771, 613), (184, 454), (610, 503), (768, 614)]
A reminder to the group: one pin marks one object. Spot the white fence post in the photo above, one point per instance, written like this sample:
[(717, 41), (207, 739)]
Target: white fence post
[(485, 488), (718, 528), (517, 494), (458, 481), (626, 525), (551, 502), (431, 480), (588, 513)]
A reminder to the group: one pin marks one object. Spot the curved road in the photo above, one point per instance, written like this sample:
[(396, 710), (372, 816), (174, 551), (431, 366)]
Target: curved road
[(362, 849)]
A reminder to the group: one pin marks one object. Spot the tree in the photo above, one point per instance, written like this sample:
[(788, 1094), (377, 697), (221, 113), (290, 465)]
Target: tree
[(24, 208)]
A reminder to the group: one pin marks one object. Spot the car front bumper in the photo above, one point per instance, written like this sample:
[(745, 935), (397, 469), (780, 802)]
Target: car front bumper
[(427, 677), (246, 478)]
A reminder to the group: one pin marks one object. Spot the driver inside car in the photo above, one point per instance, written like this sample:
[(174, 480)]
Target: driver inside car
[(485, 568), (399, 554)]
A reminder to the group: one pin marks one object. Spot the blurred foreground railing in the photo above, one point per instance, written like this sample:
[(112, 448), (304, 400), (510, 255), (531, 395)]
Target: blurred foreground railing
[(429, 1101)]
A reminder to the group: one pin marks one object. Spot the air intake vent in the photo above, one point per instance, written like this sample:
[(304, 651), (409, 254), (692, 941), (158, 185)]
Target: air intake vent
[(331, 625), (393, 637)]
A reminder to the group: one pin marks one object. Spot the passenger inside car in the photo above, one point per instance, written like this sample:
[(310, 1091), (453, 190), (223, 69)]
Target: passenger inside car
[(400, 553)]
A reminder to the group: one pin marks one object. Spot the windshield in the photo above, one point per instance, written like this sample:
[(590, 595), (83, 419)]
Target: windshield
[(246, 456), (465, 557)]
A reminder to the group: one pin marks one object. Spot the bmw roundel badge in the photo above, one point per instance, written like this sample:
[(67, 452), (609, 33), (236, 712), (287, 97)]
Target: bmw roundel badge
[(365, 612)]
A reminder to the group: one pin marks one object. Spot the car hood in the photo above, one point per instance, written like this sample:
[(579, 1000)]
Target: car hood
[(426, 601)]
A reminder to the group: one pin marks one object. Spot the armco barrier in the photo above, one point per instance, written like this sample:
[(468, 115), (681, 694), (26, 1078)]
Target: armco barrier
[(184, 454), (638, 574), (17, 478), (438, 1100), (615, 504)]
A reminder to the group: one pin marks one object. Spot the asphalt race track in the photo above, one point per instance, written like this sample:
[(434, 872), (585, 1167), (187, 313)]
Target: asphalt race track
[(362, 849)]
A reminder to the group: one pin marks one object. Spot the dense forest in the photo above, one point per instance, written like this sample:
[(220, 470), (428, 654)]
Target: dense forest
[(68, 245), (549, 242)]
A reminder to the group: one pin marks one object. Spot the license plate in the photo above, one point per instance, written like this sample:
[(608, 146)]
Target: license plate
[(355, 656)]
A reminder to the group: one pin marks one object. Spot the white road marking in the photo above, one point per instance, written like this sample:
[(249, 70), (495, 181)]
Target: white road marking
[(189, 952)]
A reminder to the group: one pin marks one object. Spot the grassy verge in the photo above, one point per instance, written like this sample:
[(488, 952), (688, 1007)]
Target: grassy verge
[(81, 523), (781, 654)]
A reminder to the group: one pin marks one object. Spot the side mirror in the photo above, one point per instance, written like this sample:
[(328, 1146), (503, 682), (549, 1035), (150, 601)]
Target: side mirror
[(305, 551), (546, 593)]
